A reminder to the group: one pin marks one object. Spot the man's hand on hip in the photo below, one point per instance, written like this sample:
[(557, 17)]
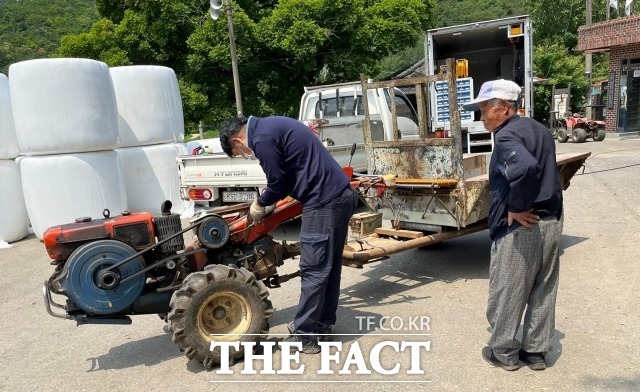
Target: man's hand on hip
[(257, 212), (525, 218)]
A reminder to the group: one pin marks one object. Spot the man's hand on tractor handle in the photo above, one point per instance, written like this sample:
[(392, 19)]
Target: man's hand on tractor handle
[(257, 212)]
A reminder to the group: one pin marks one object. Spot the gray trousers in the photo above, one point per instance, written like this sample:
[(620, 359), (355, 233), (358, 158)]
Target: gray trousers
[(524, 274)]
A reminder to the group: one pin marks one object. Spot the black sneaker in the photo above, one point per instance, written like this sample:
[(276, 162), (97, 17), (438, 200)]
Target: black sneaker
[(535, 361), (309, 346), (489, 356), (324, 333)]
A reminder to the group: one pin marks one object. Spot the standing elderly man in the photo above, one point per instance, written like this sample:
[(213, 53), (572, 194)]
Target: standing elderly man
[(526, 207), (298, 165)]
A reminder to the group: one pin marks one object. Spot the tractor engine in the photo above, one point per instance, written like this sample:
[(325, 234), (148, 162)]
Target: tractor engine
[(101, 267), (132, 263)]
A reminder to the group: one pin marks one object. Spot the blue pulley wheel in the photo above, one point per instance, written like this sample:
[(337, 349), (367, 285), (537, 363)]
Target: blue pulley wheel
[(213, 232), (96, 291)]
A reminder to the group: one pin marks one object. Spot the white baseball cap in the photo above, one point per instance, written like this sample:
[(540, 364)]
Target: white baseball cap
[(500, 89)]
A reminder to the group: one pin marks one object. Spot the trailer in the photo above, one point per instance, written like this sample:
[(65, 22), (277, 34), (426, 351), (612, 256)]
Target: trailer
[(429, 189)]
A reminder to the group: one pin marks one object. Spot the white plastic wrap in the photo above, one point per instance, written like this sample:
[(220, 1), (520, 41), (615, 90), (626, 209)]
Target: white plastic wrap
[(63, 106), (150, 177), (8, 140), (60, 188), (181, 148), (14, 220), (149, 105)]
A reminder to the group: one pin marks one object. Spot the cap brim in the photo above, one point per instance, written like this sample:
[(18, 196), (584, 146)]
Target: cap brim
[(472, 105)]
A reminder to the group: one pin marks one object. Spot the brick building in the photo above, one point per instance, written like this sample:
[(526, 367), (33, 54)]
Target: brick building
[(621, 38)]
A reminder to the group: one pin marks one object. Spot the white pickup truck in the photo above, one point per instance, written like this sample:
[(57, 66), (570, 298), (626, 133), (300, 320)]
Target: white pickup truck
[(334, 112)]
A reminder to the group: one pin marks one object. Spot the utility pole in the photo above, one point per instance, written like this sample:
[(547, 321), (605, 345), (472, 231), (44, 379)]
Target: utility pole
[(215, 10), (588, 65)]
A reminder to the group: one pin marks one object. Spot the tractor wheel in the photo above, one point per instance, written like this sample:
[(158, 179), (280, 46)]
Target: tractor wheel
[(222, 301), (600, 134), (562, 135), (579, 135)]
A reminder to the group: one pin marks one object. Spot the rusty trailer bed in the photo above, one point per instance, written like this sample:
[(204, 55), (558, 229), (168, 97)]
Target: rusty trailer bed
[(386, 241)]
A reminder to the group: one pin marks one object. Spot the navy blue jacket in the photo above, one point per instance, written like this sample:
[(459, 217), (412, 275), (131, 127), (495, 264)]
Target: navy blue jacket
[(295, 161), (523, 174)]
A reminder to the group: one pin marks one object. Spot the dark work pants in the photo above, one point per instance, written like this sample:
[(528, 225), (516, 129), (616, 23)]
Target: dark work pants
[(322, 237)]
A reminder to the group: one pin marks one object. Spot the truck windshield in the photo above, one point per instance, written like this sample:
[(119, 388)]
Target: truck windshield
[(341, 107), (403, 106)]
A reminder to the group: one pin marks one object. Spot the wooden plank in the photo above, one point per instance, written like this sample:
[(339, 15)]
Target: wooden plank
[(362, 251), (427, 181), (398, 233), (406, 82), (564, 158)]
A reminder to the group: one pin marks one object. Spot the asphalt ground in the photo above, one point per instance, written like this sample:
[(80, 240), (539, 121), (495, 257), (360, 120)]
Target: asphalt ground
[(435, 297)]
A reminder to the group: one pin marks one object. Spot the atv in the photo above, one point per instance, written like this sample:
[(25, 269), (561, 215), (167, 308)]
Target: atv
[(580, 128)]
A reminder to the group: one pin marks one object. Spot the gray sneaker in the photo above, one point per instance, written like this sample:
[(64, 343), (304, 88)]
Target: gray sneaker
[(309, 346), (535, 361), (489, 356), (324, 333)]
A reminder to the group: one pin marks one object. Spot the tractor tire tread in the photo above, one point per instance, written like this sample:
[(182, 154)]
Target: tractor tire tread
[(183, 315)]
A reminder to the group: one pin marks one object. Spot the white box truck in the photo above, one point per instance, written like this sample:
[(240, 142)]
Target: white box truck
[(486, 50)]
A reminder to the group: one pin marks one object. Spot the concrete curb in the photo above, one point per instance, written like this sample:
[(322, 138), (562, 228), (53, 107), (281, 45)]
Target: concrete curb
[(623, 135)]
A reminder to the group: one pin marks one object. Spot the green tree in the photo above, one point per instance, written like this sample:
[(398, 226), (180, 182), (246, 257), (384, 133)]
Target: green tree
[(455, 12), (100, 43), (31, 29), (556, 57), (282, 46), (561, 69), (558, 21)]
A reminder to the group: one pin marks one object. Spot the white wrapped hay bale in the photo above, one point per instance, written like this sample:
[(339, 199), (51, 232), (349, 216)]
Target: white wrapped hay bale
[(63, 106), (181, 148), (8, 140), (150, 175), (149, 105), (14, 220), (60, 188)]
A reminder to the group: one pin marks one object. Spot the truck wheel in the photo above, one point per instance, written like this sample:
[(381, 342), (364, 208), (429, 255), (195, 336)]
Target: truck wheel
[(600, 134), (562, 135), (579, 135), (222, 301)]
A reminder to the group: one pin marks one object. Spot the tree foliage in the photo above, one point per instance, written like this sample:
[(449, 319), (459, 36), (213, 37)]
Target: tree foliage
[(282, 46), (31, 29), (455, 12), (556, 57), (561, 69)]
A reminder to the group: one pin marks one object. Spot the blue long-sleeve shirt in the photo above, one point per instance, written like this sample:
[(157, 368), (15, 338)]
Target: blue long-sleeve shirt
[(295, 161), (523, 174)]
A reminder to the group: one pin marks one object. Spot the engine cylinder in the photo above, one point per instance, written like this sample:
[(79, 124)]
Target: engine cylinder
[(167, 226)]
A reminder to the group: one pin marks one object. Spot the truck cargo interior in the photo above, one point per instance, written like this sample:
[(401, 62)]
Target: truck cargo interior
[(491, 54)]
